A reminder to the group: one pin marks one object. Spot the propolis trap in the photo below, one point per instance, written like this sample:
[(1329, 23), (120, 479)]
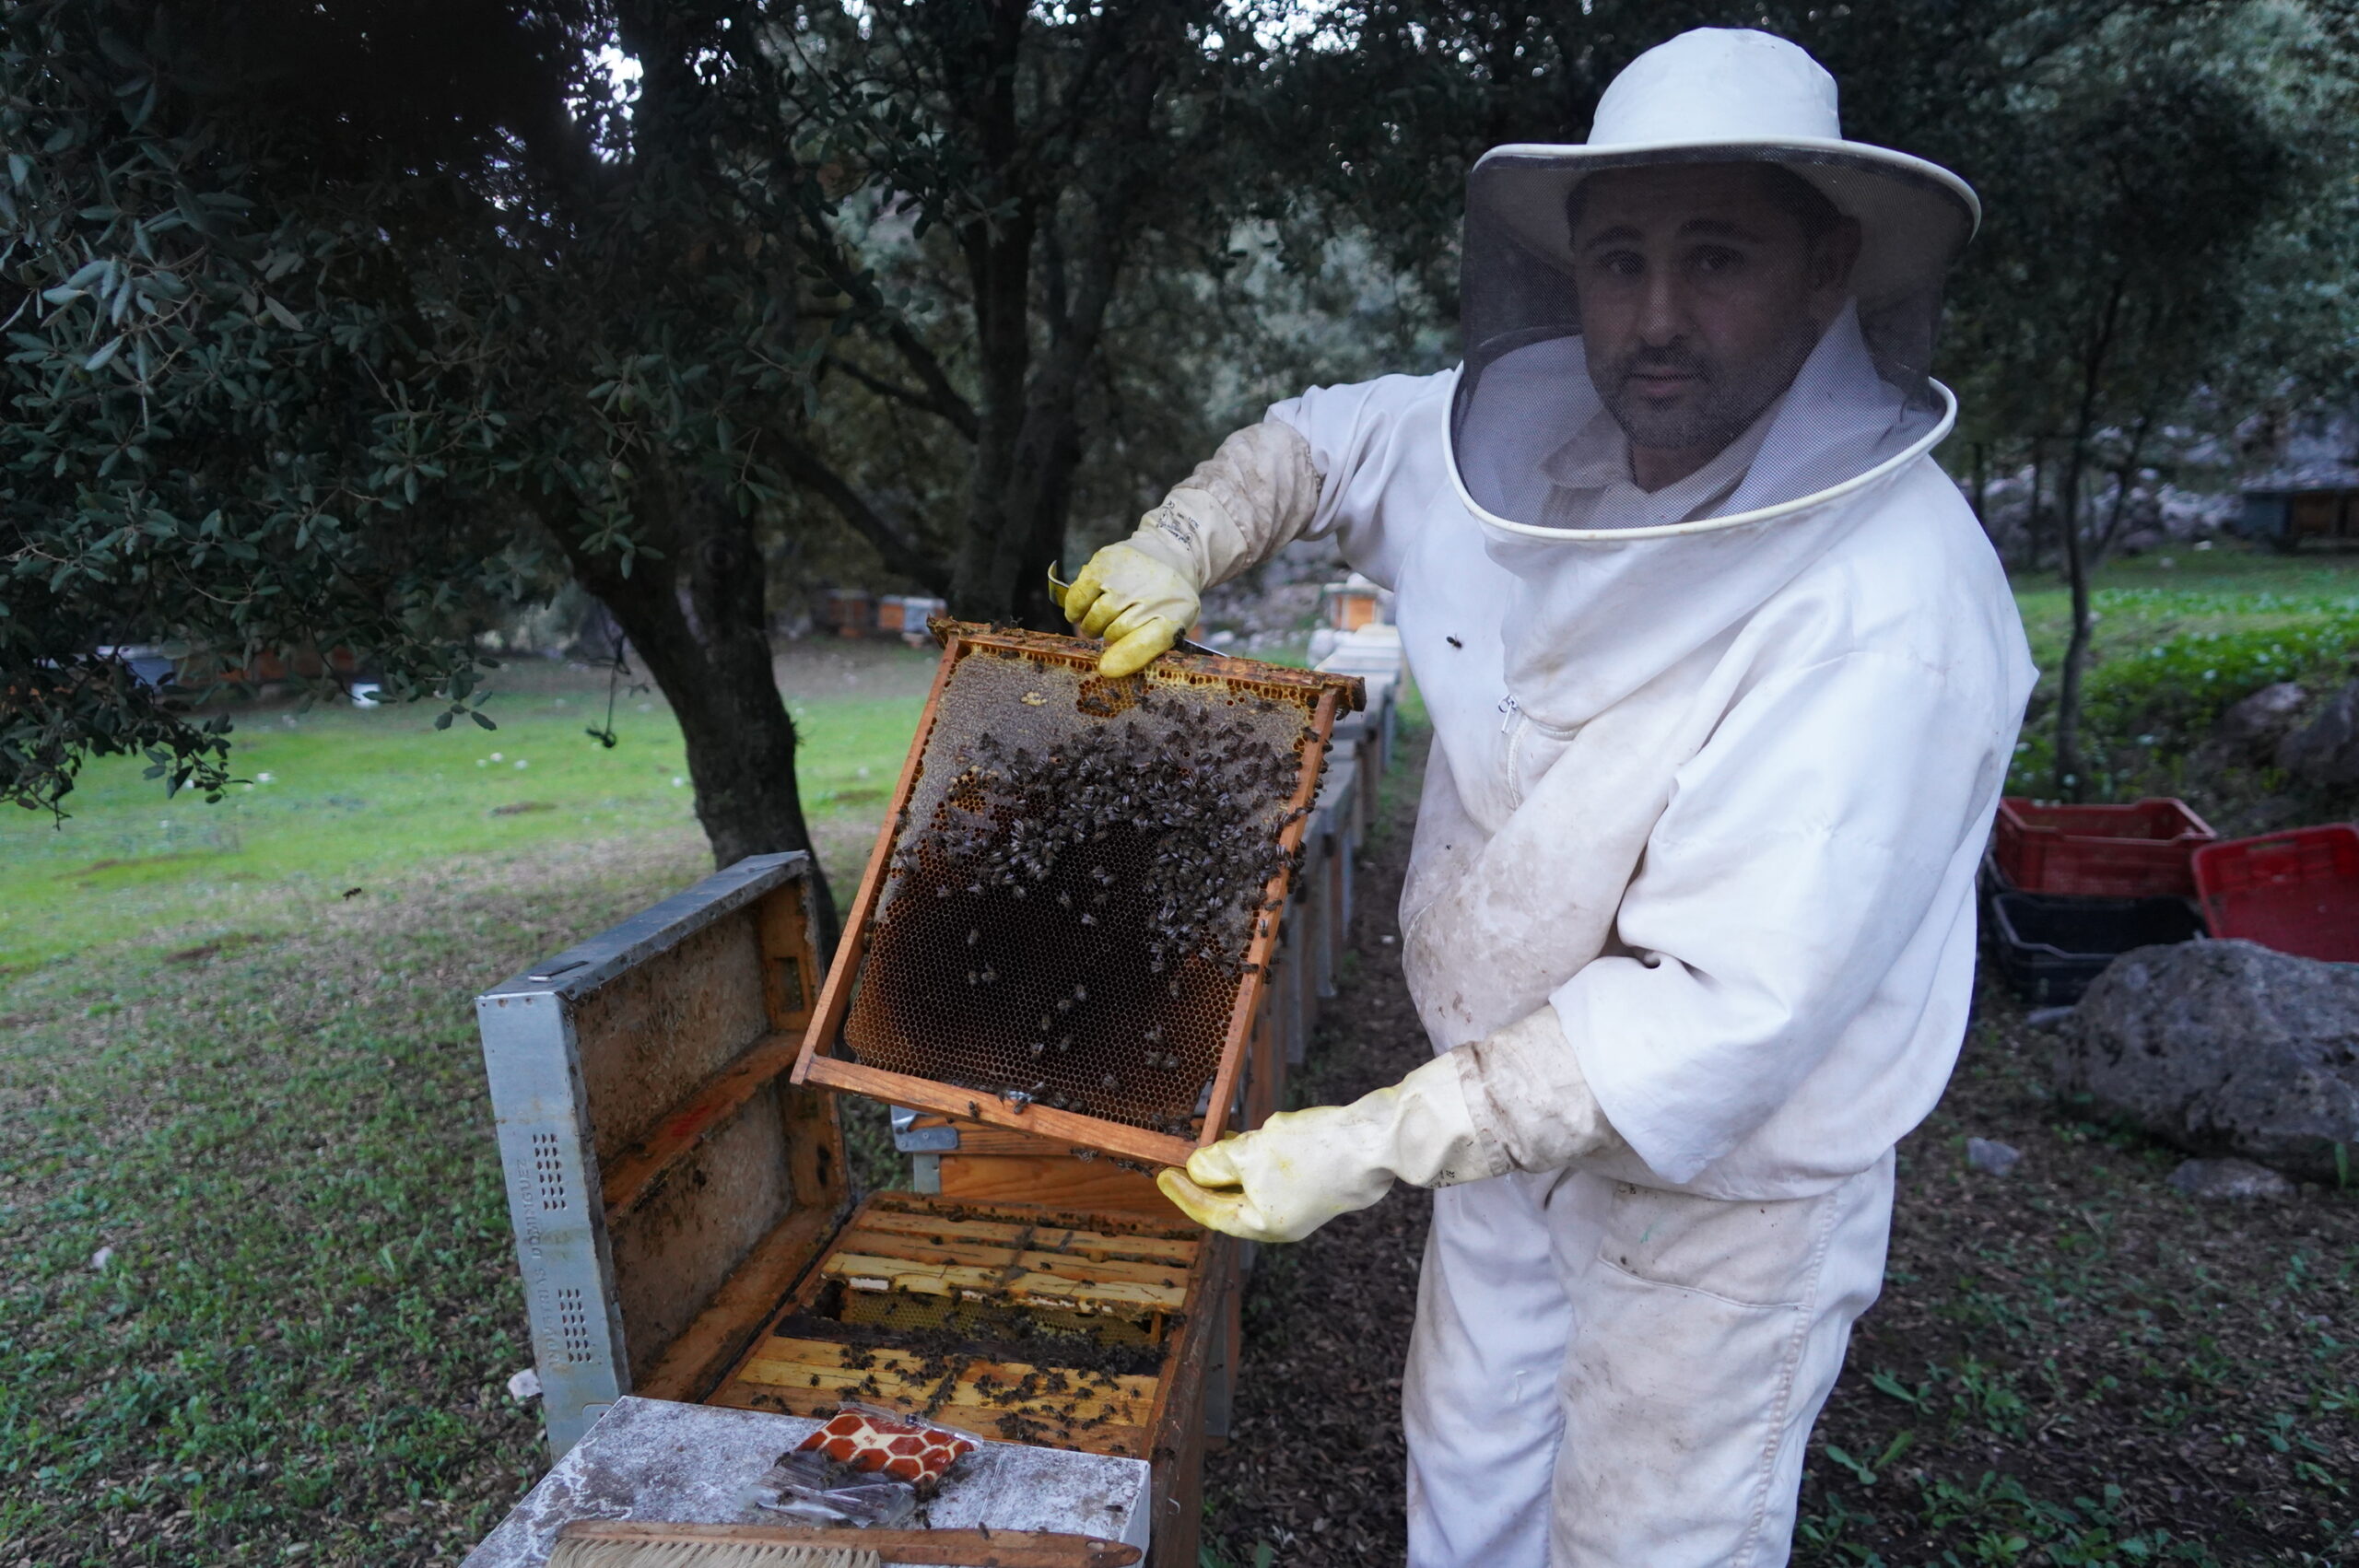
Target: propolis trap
[(1069, 913)]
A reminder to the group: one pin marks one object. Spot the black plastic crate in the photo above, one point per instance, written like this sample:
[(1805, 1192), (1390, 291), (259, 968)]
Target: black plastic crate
[(2050, 946)]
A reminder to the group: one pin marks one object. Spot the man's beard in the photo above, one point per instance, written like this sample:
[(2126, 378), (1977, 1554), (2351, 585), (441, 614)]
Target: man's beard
[(1717, 406)]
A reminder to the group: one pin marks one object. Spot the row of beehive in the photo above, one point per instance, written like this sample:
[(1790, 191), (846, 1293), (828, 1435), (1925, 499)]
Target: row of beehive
[(855, 612), (679, 1206), (912, 1303)]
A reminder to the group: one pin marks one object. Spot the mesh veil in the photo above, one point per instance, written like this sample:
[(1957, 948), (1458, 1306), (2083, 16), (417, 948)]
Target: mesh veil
[(1863, 395)]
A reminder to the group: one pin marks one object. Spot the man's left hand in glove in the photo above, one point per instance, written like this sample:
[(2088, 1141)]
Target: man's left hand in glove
[(1441, 1125)]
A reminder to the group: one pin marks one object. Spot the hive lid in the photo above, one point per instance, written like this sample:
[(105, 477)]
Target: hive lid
[(1068, 916)]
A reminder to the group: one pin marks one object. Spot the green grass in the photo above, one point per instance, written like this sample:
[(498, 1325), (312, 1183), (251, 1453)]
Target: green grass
[(2173, 646), (2230, 587), (261, 1100), (337, 798), (300, 1335)]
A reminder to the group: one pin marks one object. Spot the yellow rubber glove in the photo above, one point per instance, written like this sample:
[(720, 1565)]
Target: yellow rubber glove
[(1140, 604), (1300, 1169)]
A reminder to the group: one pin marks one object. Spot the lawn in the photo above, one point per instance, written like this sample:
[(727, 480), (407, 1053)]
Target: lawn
[(334, 798), (2146, 598), (260, 1304), (2178, 637)]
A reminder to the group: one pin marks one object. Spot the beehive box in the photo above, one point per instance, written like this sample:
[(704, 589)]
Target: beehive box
[(1024, 1323), (1065, 922), (666, 1186), (684, 1233)]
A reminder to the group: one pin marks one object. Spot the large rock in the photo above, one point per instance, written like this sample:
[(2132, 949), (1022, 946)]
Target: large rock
[(2263, 718), (2326, 750), (2223, 1048), (2228, 1181)]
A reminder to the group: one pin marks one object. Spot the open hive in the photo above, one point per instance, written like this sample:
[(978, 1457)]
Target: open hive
[(1011, 1321), (1068, 915)]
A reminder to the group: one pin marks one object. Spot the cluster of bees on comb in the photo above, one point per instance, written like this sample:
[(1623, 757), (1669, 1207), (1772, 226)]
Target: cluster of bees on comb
[(1097, 898), (1202, 794)]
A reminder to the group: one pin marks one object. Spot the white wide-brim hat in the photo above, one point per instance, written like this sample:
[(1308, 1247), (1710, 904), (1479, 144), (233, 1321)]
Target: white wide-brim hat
[(1729, 95)]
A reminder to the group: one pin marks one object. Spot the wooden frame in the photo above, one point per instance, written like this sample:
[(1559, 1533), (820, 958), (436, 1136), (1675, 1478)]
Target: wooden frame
[(666, 1183), (1079, 1264), (817, 1063)]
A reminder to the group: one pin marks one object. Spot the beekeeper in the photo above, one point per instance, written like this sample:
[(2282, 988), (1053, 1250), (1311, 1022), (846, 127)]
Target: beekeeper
[(1724, 681)]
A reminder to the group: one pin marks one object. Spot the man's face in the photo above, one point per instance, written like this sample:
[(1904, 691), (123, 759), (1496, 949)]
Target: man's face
[(1700, 298)]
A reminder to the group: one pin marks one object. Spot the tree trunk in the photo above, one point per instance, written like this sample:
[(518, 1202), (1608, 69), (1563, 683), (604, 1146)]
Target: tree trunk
[(2072, 772), (1030, 441), (2123, 478), (2033, 508), (698, 618), (2072, 776)]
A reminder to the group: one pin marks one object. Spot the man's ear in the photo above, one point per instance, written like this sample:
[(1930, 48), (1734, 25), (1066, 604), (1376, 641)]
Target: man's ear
[(1833, 256)]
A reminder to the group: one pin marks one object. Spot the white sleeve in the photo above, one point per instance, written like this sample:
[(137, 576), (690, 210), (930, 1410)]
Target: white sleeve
[(1242, 505), (1375, 444), (1530, 1108), (1802, 850)]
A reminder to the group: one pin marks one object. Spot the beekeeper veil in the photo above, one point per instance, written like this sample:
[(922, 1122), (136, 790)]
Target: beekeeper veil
[(1714, 309)]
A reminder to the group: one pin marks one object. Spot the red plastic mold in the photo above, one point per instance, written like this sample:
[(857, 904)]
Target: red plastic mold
[(2296, 892), (2140, 851), (909, 1451)]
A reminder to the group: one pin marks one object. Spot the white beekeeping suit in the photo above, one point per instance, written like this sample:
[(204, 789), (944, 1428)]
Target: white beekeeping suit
[(1724, 680)]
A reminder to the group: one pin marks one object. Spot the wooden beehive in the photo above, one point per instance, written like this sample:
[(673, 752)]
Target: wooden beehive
[(682, 1226), (1014, 1321), (956, 994), (666, 1185)]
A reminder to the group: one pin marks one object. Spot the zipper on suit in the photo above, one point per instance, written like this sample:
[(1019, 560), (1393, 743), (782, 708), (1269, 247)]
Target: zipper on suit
[(1512, 725)]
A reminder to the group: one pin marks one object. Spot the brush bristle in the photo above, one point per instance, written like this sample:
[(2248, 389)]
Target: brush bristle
[(708, 1554)]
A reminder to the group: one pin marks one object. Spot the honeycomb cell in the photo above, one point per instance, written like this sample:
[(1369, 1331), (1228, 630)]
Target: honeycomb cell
[(1074, 883)]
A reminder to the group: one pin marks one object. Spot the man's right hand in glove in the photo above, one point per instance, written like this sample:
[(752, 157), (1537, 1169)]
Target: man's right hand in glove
[(1139, 603), (1239, 506)]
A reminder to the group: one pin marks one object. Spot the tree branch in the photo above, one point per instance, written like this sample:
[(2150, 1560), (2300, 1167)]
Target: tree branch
[(940, 396), (957, 411), (902, 554)]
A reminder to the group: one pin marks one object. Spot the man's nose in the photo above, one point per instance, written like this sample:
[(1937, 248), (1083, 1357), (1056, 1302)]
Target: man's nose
[(1663, 310)]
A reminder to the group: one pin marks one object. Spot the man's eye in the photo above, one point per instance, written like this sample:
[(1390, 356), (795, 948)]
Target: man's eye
[(1621, 264), (1714, 260)]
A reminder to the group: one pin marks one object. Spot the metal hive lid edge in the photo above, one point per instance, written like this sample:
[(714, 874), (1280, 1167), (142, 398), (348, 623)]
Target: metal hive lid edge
[(587, 965)]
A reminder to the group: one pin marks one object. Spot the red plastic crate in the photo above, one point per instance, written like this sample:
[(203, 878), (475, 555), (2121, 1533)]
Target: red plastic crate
[(2140, 851), (2296, 892)]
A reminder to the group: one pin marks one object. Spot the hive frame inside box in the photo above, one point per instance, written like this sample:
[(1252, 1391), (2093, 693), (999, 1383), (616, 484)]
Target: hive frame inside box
[(1329, 695), (666, 1184), (1143, 1273)]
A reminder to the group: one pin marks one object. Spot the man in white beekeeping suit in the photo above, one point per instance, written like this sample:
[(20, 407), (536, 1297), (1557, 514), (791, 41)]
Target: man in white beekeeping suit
[(1724, 681)]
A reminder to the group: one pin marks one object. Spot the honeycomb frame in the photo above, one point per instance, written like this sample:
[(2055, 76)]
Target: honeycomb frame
[(827, 1056)]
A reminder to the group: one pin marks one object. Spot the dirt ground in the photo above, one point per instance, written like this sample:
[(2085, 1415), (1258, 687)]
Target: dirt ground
[(2071, 1363)]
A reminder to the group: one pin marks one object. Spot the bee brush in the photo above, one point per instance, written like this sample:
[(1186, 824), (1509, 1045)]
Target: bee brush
[(615, 1543)]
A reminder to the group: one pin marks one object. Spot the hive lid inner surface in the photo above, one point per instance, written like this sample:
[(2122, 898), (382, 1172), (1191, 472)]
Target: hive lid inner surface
[(1068, 908)]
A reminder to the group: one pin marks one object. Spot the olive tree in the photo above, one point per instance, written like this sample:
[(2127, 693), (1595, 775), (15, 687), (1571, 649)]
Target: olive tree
[(329, 321)]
